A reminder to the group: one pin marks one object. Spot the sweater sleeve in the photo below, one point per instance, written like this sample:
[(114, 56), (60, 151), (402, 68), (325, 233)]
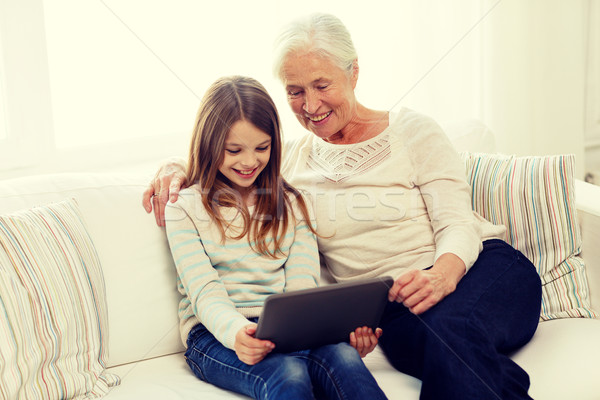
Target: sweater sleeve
[(302, 267), (208, 298), (440, 175)]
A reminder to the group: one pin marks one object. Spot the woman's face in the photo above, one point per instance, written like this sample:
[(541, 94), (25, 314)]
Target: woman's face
[(320, 93)]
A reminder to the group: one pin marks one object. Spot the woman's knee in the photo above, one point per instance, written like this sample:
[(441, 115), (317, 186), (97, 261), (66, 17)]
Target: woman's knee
[(523, 285), (531, 278)]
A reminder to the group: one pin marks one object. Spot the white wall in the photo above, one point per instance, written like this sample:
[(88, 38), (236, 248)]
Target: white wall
[(534, 77), (119, 70), (592, 103)]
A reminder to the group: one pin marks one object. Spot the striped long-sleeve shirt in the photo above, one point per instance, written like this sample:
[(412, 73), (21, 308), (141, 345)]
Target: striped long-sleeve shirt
[(224, 281)]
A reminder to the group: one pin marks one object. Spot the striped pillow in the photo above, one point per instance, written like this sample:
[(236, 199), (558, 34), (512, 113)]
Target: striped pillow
[(534, 198), (53, 317)]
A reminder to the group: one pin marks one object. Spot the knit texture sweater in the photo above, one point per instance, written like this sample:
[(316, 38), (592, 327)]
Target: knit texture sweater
[(224, 281), (389, 204)]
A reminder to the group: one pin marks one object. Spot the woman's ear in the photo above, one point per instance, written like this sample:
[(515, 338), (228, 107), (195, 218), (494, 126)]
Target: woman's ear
[(354, 76)]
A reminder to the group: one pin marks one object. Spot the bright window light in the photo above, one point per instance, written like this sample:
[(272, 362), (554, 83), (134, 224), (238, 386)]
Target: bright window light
[(135, 69), (126, 70), (3, 131), (3, 122)]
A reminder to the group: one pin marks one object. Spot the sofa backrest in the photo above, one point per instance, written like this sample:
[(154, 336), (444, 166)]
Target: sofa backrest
[(587, 197), (139, 273)]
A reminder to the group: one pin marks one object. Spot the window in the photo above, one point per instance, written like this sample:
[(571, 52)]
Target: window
[(27, 120), (129, 82), (3, 122), (131, 74), (103, 83)]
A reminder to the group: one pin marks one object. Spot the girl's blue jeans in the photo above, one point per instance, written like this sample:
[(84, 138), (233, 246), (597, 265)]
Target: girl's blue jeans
[(460, 348), (332, 372)]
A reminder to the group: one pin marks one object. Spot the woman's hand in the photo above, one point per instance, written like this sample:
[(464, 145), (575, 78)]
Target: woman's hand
[(249, 349), (165, 186), (364, 339), (419, 290)]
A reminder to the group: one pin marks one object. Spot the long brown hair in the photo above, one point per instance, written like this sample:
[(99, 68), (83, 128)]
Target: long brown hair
[(228, 100)]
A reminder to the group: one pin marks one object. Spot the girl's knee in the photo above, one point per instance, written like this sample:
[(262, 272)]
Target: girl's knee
[(344, 353), (289, 379), (293, 369)]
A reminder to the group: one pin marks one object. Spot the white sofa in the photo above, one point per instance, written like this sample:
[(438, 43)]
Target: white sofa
[(144, 344)]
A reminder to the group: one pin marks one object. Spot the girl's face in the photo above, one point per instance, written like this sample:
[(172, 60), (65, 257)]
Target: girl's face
[(247, 153)]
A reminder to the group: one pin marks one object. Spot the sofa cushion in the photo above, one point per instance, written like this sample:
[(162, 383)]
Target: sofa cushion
[(53, 316), (562, 360), (534, 198), (170, 378)]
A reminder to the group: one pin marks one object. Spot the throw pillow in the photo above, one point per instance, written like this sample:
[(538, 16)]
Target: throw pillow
[(534, 198), (53, 317)]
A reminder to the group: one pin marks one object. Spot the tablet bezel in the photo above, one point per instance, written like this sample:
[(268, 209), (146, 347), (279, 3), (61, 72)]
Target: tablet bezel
[(310, 318)]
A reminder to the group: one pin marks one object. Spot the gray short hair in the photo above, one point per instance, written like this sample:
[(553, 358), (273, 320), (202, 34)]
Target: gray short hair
[(321, 34)]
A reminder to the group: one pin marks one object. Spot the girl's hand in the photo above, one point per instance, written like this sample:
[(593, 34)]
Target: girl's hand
[(165, 186), (364, 339), (249, 349), (419, 290)]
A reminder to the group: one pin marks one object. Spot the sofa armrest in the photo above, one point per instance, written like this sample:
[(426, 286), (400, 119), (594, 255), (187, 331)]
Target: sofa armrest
[(587, 198)]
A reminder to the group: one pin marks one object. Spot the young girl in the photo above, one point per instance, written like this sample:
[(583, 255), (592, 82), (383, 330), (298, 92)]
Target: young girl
[(239, 233)]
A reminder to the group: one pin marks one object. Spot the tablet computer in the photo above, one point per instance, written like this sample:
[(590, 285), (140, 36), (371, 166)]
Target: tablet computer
[(310, 318)]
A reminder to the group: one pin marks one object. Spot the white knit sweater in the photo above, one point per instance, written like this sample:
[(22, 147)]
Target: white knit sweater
[(391, 203)]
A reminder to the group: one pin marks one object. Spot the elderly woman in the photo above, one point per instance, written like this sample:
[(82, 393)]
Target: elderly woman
[(391, 198)]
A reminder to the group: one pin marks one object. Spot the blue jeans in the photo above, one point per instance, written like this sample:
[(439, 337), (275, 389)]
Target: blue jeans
[(333, 371), (460, 348)]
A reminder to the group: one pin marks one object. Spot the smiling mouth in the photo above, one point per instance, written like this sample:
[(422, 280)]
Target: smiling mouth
[(245, 173), (319, 118)]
